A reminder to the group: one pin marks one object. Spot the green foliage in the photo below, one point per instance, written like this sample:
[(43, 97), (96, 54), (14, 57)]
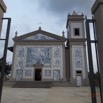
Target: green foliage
[(7, 68)]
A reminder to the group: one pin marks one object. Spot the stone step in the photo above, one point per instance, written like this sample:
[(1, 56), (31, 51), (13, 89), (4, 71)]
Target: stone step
[(37, 84), (29, 84), (62, 84), (9, 83)]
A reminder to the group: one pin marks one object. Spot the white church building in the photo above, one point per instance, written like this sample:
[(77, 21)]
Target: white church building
[(43, 56)]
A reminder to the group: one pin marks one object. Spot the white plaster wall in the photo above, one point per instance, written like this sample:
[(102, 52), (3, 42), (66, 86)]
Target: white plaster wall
[(76, 25), (52, 67)]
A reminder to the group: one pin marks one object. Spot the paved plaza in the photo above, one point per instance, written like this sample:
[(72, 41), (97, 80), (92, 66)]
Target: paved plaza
[(47, 95)]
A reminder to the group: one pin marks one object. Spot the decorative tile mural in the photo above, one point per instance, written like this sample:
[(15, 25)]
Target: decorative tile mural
[(47, 72), (28, 72), (19, 62), (20, 51), (48, 56), (78, 62), (39, 37), (56, 75), (57, 52), (56, 56), (78, 55), (41, 54), (19, 74), (56, 62), (78, 52), (20, 57)]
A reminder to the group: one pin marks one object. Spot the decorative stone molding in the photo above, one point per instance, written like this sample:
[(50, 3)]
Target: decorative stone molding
[(38, 64)]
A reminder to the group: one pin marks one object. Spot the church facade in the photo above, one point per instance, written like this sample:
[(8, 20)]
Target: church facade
[(39, 56), (43, 56)]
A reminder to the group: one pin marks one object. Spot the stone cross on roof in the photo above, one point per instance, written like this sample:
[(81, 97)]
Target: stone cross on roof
[(74, 13)]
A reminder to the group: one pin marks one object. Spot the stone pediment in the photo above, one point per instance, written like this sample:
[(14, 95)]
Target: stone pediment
[(39, 35)]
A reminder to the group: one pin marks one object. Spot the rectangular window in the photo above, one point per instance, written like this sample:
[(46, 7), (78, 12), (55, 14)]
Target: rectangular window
[(76, 32), (79, 72)]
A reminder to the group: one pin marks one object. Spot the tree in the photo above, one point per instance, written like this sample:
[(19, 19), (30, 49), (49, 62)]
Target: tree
[(7, 68)]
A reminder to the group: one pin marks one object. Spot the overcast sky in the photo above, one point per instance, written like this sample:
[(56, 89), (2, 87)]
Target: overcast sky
[(51, 15)]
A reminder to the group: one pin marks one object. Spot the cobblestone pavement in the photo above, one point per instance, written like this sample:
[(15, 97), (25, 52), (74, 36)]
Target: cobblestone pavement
[(47, 95)]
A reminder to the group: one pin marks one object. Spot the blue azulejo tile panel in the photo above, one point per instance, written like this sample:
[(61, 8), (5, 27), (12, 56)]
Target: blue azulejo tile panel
[(56, 75), (41, 54), (19, 74), (78, 52), (57, 56), (20, 51), (79, 62), (19, 63), (20, 57), (47, 72), (57, 52), (57, 62), (28, 73), (39, 37), (78, 56)]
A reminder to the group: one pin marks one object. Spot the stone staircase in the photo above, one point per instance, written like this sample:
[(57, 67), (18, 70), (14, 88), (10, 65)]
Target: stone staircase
[(9, 83), (38, 84), (31, 84), (62, 84)]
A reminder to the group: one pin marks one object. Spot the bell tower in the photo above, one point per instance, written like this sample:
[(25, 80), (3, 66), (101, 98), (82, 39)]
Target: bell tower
[(77, 47)]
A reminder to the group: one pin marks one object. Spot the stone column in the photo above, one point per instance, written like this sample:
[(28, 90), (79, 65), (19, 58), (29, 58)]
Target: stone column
[(2, 11), (97, 11)]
